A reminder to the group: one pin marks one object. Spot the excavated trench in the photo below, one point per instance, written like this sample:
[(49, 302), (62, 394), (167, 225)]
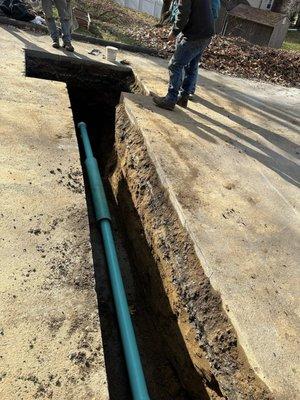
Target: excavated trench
[(188, 347), (94, 92)]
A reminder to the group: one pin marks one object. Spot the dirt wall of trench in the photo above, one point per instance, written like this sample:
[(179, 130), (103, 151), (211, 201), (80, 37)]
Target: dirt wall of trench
[(200, 340)]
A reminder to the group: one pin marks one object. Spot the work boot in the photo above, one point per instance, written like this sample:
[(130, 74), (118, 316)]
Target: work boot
[(183, 100), (164, 102), (55, 44), (68, 46)]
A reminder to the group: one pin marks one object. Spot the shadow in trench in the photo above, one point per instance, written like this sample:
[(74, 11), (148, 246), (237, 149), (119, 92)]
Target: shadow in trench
[(93, 109), (153, 301), (118, 383)]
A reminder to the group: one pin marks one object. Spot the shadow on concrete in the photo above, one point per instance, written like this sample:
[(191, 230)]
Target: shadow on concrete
[(273, 137), (33, 46), (268, 109), (27, 43), (216, 129), (286, 168)]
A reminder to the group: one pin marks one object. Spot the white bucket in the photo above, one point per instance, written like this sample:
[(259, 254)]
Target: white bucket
[(111, 53)]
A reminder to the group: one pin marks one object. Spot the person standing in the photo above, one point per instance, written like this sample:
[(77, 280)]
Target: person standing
[(192, 31), (65, 13)]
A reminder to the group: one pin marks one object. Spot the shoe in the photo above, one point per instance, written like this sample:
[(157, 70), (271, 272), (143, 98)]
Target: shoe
[(55, 44), (183, 100), (192, 97), (68, 46), (164, 103)]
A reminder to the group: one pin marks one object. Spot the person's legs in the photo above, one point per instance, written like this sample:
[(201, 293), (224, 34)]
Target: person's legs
[(191, 70), (64, 12), (185, 52), (47, 8)]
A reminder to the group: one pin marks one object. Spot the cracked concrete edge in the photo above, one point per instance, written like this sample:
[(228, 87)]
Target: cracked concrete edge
[(199, 311)]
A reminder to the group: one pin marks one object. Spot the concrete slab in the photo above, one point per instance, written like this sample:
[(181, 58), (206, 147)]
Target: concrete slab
[(50, 342), (230, 167)]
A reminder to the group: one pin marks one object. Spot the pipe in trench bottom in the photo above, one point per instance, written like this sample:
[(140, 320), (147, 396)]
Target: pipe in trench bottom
[(103, 218)]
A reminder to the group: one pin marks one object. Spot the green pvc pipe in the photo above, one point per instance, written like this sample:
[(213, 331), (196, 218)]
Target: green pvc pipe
[(103, 218)]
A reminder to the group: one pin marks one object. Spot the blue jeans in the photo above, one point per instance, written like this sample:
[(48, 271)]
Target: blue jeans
[(185, 61), (64, 12)]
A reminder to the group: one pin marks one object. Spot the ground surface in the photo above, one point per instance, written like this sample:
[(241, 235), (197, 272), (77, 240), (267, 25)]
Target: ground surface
[(50, 344), (230, 165)]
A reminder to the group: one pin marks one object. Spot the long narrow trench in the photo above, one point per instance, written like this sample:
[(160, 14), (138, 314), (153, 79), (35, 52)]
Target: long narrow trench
[(93, 101)]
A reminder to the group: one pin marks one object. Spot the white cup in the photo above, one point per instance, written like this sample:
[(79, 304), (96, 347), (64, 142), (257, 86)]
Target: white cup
[(111, 53)]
